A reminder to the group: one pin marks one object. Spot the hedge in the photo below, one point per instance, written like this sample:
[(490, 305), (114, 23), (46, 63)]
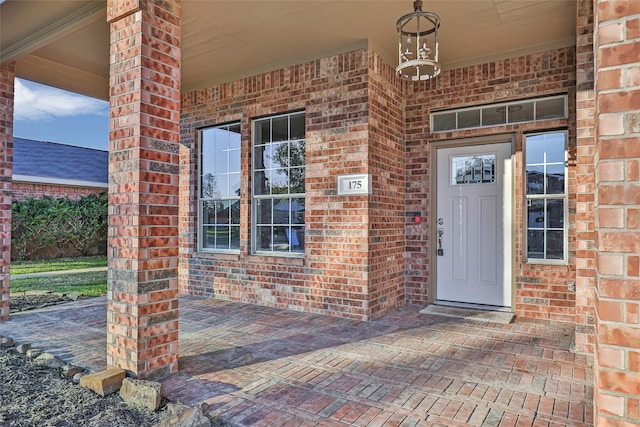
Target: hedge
[(58, 225)]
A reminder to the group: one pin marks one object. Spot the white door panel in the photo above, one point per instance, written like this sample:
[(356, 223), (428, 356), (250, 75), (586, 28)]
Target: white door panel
[(474, 220)]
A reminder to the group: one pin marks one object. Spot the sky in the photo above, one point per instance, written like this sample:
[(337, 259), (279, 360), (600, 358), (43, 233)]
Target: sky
[(45, 113)]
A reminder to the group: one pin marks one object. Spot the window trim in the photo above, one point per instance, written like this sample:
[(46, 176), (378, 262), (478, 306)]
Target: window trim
[(255, 197), (564, 196), (199, 202)]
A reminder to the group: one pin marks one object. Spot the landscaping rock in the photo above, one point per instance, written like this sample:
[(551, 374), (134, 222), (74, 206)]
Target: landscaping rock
[(141, 393), (6, 342), (23, 348), (104, 382), (185, 416), (76, 377), (49, 360), (32, 353), (70, 371)]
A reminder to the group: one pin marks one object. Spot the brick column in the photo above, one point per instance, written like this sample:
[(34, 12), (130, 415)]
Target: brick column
[(142, 318), (617, 365), (7, 77), (585, 181)]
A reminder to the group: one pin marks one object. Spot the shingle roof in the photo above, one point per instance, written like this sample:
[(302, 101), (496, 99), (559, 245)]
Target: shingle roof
[(61, 161)]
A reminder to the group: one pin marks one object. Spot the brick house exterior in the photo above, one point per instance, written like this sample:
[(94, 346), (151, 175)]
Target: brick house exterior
[(363, 255), (43, 168)]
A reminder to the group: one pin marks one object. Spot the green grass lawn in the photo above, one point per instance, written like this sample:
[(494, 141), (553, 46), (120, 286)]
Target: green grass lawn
[(91, 284), (41, 266)]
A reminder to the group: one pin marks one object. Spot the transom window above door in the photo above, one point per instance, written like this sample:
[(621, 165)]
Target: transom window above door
[(530, 110)]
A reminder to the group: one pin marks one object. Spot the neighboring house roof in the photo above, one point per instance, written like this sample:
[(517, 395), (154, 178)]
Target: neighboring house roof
[(53, 163)]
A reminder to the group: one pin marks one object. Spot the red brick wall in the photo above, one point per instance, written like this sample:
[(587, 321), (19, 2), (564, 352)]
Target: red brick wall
[(386, 207), (617, 370), (353, 124), (541, 291), (23, 191), (7, 77), (585, 180)]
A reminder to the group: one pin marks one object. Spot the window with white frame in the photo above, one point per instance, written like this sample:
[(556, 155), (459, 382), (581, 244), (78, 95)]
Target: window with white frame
[(546, 196), (219, 184), (279, 184)]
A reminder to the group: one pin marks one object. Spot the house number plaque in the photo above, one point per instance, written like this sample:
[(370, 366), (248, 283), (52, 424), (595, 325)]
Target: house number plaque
[(354, 184)]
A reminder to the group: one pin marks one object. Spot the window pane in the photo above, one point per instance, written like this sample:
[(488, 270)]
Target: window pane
[(208, 237), (298, 233), (263, 237), (535, 179), (446, 121), (545, 148), (279, 181), (222, 185), (555, 179), (208, 213), (234, 184), (535, 244), (297, 126), (297, 153), (260, 183), (555, 213), (295, 239), (234, 137), (479, 169), (297, 180), (555, 243), (550, 108), (297, 211), (535, 213), (209, 187), (494, 115), (521, 112), (279, 156), (234, 160), (280, 128), (262, 132), (234, 239), (468, 119), (264, 211), (281, 211), (281, 239)]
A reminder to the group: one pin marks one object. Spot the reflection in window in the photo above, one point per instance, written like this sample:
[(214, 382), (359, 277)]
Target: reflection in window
[(279, 183), (479, 169), (219, 188), (546, 195)]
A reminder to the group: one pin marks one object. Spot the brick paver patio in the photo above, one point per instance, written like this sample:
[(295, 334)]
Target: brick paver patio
[(258, 366)]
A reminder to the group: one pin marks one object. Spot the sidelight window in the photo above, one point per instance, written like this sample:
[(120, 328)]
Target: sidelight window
[(546, 196)]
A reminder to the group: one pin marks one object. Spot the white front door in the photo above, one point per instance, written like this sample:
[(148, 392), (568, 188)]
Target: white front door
[(473, 230)]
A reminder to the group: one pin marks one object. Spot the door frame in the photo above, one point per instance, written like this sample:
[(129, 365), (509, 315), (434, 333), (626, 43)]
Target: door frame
[(434, 146)]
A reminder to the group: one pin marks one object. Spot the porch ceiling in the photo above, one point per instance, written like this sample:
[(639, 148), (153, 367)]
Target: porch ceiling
[(65, 43)]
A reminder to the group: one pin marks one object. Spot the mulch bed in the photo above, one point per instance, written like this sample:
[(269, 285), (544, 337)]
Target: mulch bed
[(33, 395)]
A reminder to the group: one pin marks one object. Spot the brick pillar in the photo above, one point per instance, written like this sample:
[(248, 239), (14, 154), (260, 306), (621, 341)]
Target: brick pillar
[(7, 77), (585, 213), (142, 317), (617, 363)]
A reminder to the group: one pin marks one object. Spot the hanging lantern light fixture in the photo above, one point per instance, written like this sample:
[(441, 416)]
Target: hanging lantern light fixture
[(418, 44)]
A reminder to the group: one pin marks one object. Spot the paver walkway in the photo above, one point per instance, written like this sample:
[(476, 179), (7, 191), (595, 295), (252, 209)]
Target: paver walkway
[(258, 366)]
